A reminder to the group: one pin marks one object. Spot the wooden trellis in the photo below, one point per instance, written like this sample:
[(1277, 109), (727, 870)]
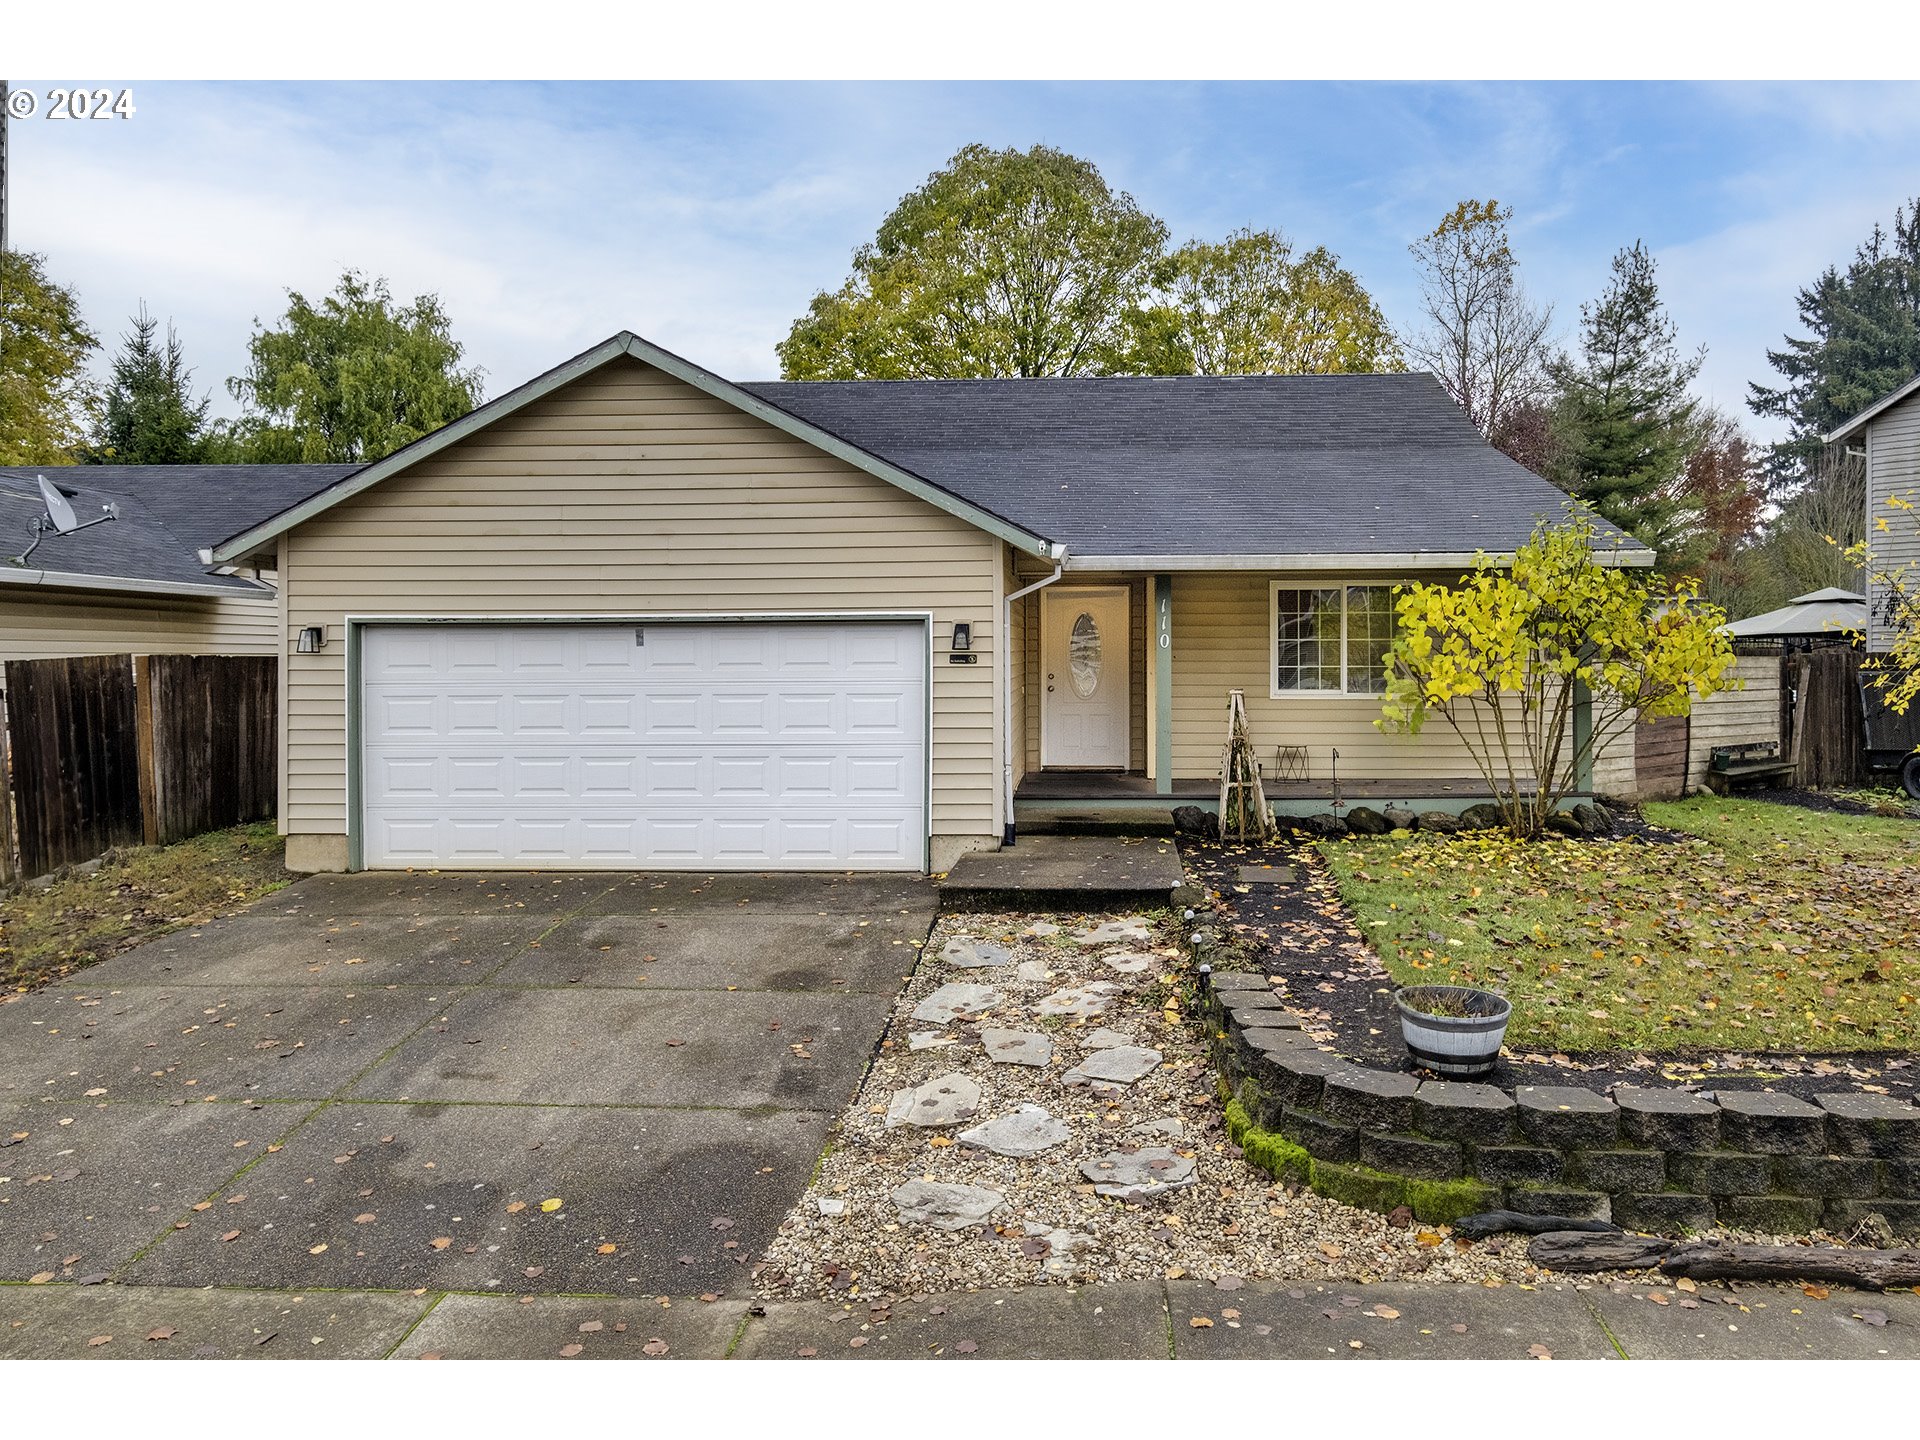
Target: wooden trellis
[(1243, 799)]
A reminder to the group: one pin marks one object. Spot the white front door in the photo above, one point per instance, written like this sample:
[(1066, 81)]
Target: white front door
[(1084, 651), (742, 745)]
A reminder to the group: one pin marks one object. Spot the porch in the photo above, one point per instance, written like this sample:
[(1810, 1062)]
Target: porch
[(1045, 794)]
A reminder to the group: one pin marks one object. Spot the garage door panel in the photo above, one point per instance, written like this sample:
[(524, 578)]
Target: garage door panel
[(746, 744)]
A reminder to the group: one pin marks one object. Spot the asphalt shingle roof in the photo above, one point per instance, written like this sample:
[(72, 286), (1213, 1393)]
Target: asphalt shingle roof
[(168, 514), (1199, 465)]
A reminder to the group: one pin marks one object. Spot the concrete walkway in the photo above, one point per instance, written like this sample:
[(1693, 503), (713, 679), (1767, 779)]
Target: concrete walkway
[(1141, 1320), (511, 1082)]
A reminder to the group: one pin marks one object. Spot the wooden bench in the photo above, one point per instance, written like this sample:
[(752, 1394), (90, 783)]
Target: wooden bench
[(1733, 765)]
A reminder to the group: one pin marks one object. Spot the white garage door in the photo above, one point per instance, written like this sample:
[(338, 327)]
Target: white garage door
[(737, 745)]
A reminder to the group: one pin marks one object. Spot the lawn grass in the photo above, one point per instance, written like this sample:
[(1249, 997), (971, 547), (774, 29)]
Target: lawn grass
[(135, 895), (1778, 928)]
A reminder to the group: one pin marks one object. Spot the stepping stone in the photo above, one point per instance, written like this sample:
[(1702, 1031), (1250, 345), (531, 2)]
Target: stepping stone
[(1151, 1171), (1127, 962), (1041, 929), (1115, 931), (946, 1206), (1266, 874), (1085, 1001), (1033, 970), (1016, 1047), (964, 954), (951, 1001), (929, 1040), (1104, 1039), (943, 1100), (1061, 1243), (1023, 1134), (831, 1207), (1119, 1065), (1168, 1127)]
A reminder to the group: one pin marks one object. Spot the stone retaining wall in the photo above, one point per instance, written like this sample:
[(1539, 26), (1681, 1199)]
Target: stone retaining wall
[(1651, 1159)]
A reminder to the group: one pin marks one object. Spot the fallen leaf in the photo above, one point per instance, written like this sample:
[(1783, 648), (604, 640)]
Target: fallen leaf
[(317, 1249), (655, 1346), (165, 1332), (1815, 1292), (965, 1347), (1871, 1317), (441, 1242), (605, 1249), (42, 1278), (855, 1343), (1683, 1283), (567, 1352), (807, 1352), (231, 1236), (1658, 1297), (515, 1207), (1330, 1250), (587, 1327), (1428, 1237), (1539, 1352), (1200, 1322), (1386, 1312), (98, 1340), (549, 1206), (366, 1219)]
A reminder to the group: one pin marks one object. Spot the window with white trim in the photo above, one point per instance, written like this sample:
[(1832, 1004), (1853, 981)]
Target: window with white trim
[(1331, 639)]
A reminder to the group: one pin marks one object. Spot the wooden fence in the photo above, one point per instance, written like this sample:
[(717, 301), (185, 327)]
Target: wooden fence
[(1821, 716), (113, 750)]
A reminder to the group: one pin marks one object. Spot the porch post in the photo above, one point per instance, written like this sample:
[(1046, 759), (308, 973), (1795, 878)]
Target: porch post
[(1163, 684), (1582, 738)]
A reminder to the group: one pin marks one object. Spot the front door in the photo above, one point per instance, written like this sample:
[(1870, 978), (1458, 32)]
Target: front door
[(1084, 651)]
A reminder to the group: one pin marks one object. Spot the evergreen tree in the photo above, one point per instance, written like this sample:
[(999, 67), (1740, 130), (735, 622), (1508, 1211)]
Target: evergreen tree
[(1625, 412), (150, 416), (1864, 342)]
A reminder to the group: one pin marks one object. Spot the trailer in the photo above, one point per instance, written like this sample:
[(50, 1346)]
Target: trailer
[(1892, 739)]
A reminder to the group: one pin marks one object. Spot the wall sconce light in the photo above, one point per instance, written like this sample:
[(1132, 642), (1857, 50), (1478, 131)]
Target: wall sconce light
[(313, 639), (962, 646)]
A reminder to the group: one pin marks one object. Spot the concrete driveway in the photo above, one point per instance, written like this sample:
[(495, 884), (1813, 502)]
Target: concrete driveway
[(532, 1083)]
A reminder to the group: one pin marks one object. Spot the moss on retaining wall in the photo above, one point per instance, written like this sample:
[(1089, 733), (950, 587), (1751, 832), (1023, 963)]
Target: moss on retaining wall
[(1437, 1202)]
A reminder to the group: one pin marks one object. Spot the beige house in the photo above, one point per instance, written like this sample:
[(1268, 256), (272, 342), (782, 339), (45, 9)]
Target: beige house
[(138, 584), (635, 615)]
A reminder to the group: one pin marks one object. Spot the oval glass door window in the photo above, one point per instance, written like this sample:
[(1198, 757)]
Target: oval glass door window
[(1083, 656)]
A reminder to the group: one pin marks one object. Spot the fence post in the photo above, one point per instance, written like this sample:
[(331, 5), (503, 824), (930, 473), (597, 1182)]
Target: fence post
[(143, 749), (8, 869)]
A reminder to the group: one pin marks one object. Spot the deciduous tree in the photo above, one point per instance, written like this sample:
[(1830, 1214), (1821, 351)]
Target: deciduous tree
[(352, 378), (46, 400), (1249, 305), (1502, 656), (1483, 338), (1005, 263)]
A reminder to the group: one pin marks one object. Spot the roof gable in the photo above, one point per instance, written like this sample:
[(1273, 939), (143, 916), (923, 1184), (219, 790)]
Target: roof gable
[(1880, 406), (627, 344)]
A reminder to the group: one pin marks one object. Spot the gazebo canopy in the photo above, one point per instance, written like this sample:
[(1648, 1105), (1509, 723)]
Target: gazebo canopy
[(1830, 613)]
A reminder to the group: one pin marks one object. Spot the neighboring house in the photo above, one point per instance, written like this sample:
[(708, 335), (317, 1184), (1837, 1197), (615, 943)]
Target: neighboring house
[(1888, 432), (139, 583), (634, 615)]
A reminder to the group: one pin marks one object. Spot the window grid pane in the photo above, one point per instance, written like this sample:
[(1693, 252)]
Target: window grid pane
[(1308, 648), (1370, 625)]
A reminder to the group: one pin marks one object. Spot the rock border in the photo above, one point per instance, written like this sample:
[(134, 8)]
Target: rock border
[(1650, 1158)]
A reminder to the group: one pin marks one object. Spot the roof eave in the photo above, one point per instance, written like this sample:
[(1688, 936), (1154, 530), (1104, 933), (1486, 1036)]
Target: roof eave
[(129, 585), (1860, 421), (1405, 560), (626, 343)]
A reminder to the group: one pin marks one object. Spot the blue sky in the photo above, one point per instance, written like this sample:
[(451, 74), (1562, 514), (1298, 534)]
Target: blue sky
[(704, 216)]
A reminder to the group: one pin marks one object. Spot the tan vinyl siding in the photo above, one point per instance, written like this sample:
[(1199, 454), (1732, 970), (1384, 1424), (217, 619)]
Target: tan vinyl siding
[(1020, 628), (1222, 638), (630, 491), (1893, 468), (42, 623)]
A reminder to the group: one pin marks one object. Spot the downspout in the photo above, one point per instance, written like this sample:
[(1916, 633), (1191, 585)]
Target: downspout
[(1005, 647)]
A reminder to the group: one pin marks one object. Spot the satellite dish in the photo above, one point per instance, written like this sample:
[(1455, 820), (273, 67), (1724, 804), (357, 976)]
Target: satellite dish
[(58, 510), (60, 519)]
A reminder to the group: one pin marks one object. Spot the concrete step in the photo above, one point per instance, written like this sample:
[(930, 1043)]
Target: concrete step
[(1066, 872), (1065, 817)]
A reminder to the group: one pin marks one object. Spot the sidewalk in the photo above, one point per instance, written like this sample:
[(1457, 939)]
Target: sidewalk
[(1139, 1320)]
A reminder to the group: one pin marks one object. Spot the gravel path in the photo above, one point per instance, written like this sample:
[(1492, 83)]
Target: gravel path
[(1229, 1222)]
